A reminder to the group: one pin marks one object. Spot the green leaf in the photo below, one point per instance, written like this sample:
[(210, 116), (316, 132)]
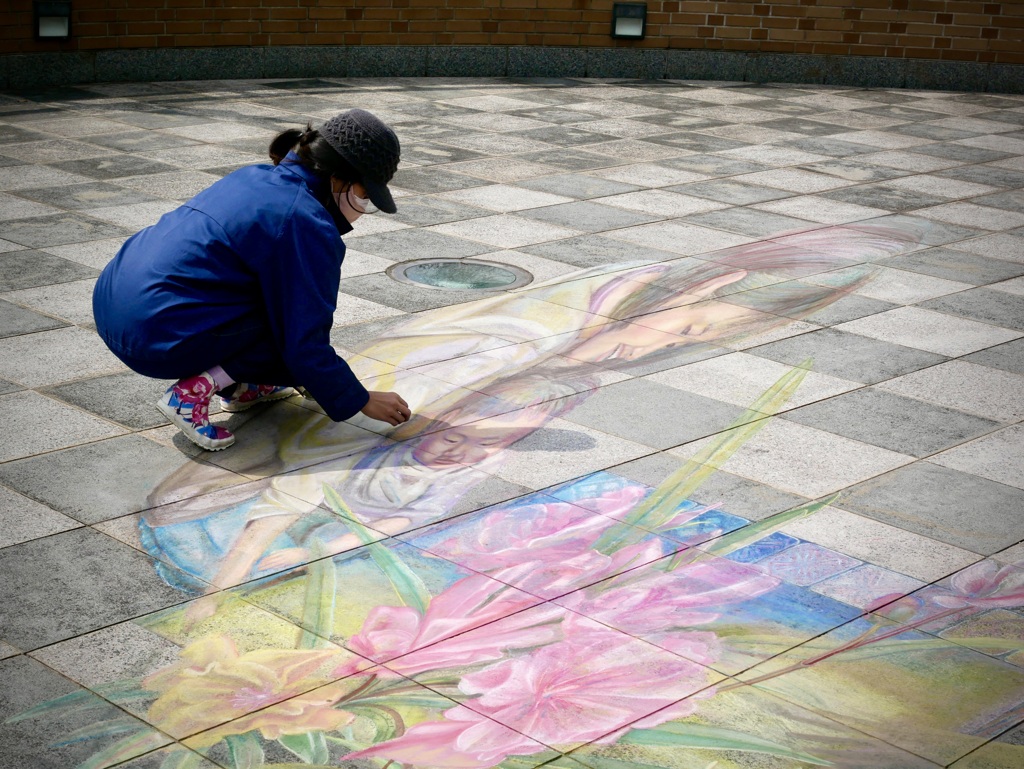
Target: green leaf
[(311, 747), (182, 759), (409, 587), (245, 749), (678, 734), (384, 725), (755, 531), (123, 691), (80, 700), (121, 751), (319, 600), (425, 700), (101, 729), (662, 504)]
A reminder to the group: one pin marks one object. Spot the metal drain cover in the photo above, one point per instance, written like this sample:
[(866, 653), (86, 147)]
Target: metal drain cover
[(460, 274)]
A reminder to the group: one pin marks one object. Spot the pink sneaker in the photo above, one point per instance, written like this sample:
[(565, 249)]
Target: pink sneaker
[(187, 404), (248, 395)]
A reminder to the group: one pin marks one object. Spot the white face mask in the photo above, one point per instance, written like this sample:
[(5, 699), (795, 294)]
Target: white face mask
[(351, 205)]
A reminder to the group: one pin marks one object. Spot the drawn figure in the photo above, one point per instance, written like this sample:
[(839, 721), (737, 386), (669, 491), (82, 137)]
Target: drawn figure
[(390, 488)]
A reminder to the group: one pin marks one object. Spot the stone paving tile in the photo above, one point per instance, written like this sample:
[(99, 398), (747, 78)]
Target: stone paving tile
[(416, 242), (996, 307), (954, 507), (956, 264), (998, 457), (126, 398), (596, 250), (51, 357), (14, 207), (101, 494), (881, 544), (646, 421), (576, 186), (926, 231), (570, 159), (661, 203), (502, 170), (892, 422), (803, 460), (731, 493), (507, 231), (93, 253), (1013, 286), (848, 356), (58, 230), (495, 197), (740, 378), (852, 170), (35, 424), (983, 174), (88, 196), (750, 222), (15, 320), (23, 269), (818, 209), (895, 287), (71, 301), (111, 167), (980, 390), (883, 196), (1006, 246), (972, 215), (74, 582), (23, 519), (680, 237), (929, 330), (1008, 357), (647, 175), (589, 216), (728, 191), (715, 165)]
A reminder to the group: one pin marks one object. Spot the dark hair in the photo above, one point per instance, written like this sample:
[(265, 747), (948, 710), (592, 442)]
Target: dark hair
[(314, 153)]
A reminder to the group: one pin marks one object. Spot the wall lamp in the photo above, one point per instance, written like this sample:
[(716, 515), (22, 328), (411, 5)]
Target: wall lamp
[(629, 20), (52, 20)]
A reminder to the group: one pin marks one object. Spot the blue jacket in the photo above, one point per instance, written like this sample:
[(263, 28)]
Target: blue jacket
[(252, 260)]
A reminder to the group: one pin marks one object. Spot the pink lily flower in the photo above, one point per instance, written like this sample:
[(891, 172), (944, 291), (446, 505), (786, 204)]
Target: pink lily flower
[(408, 640), (541, 531), (612, 679), (985, 585), (552, 574), (658, 601)]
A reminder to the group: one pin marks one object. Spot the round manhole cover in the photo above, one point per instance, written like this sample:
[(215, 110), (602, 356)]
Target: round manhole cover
[(460, 274)]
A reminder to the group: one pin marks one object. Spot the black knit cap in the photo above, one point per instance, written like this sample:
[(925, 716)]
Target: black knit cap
[(371, 147)]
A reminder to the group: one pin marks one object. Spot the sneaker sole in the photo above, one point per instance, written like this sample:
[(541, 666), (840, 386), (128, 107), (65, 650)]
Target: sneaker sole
[(234, 408), (207, 444)]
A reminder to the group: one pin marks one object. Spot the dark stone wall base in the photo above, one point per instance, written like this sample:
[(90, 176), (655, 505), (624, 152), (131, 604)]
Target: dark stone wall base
[(29, 71)]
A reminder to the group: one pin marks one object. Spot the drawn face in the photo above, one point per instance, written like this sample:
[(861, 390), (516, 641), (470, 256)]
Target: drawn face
[(475, 442), (690, 324)]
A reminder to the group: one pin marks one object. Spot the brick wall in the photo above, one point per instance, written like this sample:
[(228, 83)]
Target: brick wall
[(952, 30)]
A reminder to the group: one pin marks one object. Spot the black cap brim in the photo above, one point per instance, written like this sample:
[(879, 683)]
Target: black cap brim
[(380, 196)]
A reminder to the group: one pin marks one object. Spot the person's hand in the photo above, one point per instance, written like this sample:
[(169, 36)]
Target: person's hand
[(284, 558), (387, 407)]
